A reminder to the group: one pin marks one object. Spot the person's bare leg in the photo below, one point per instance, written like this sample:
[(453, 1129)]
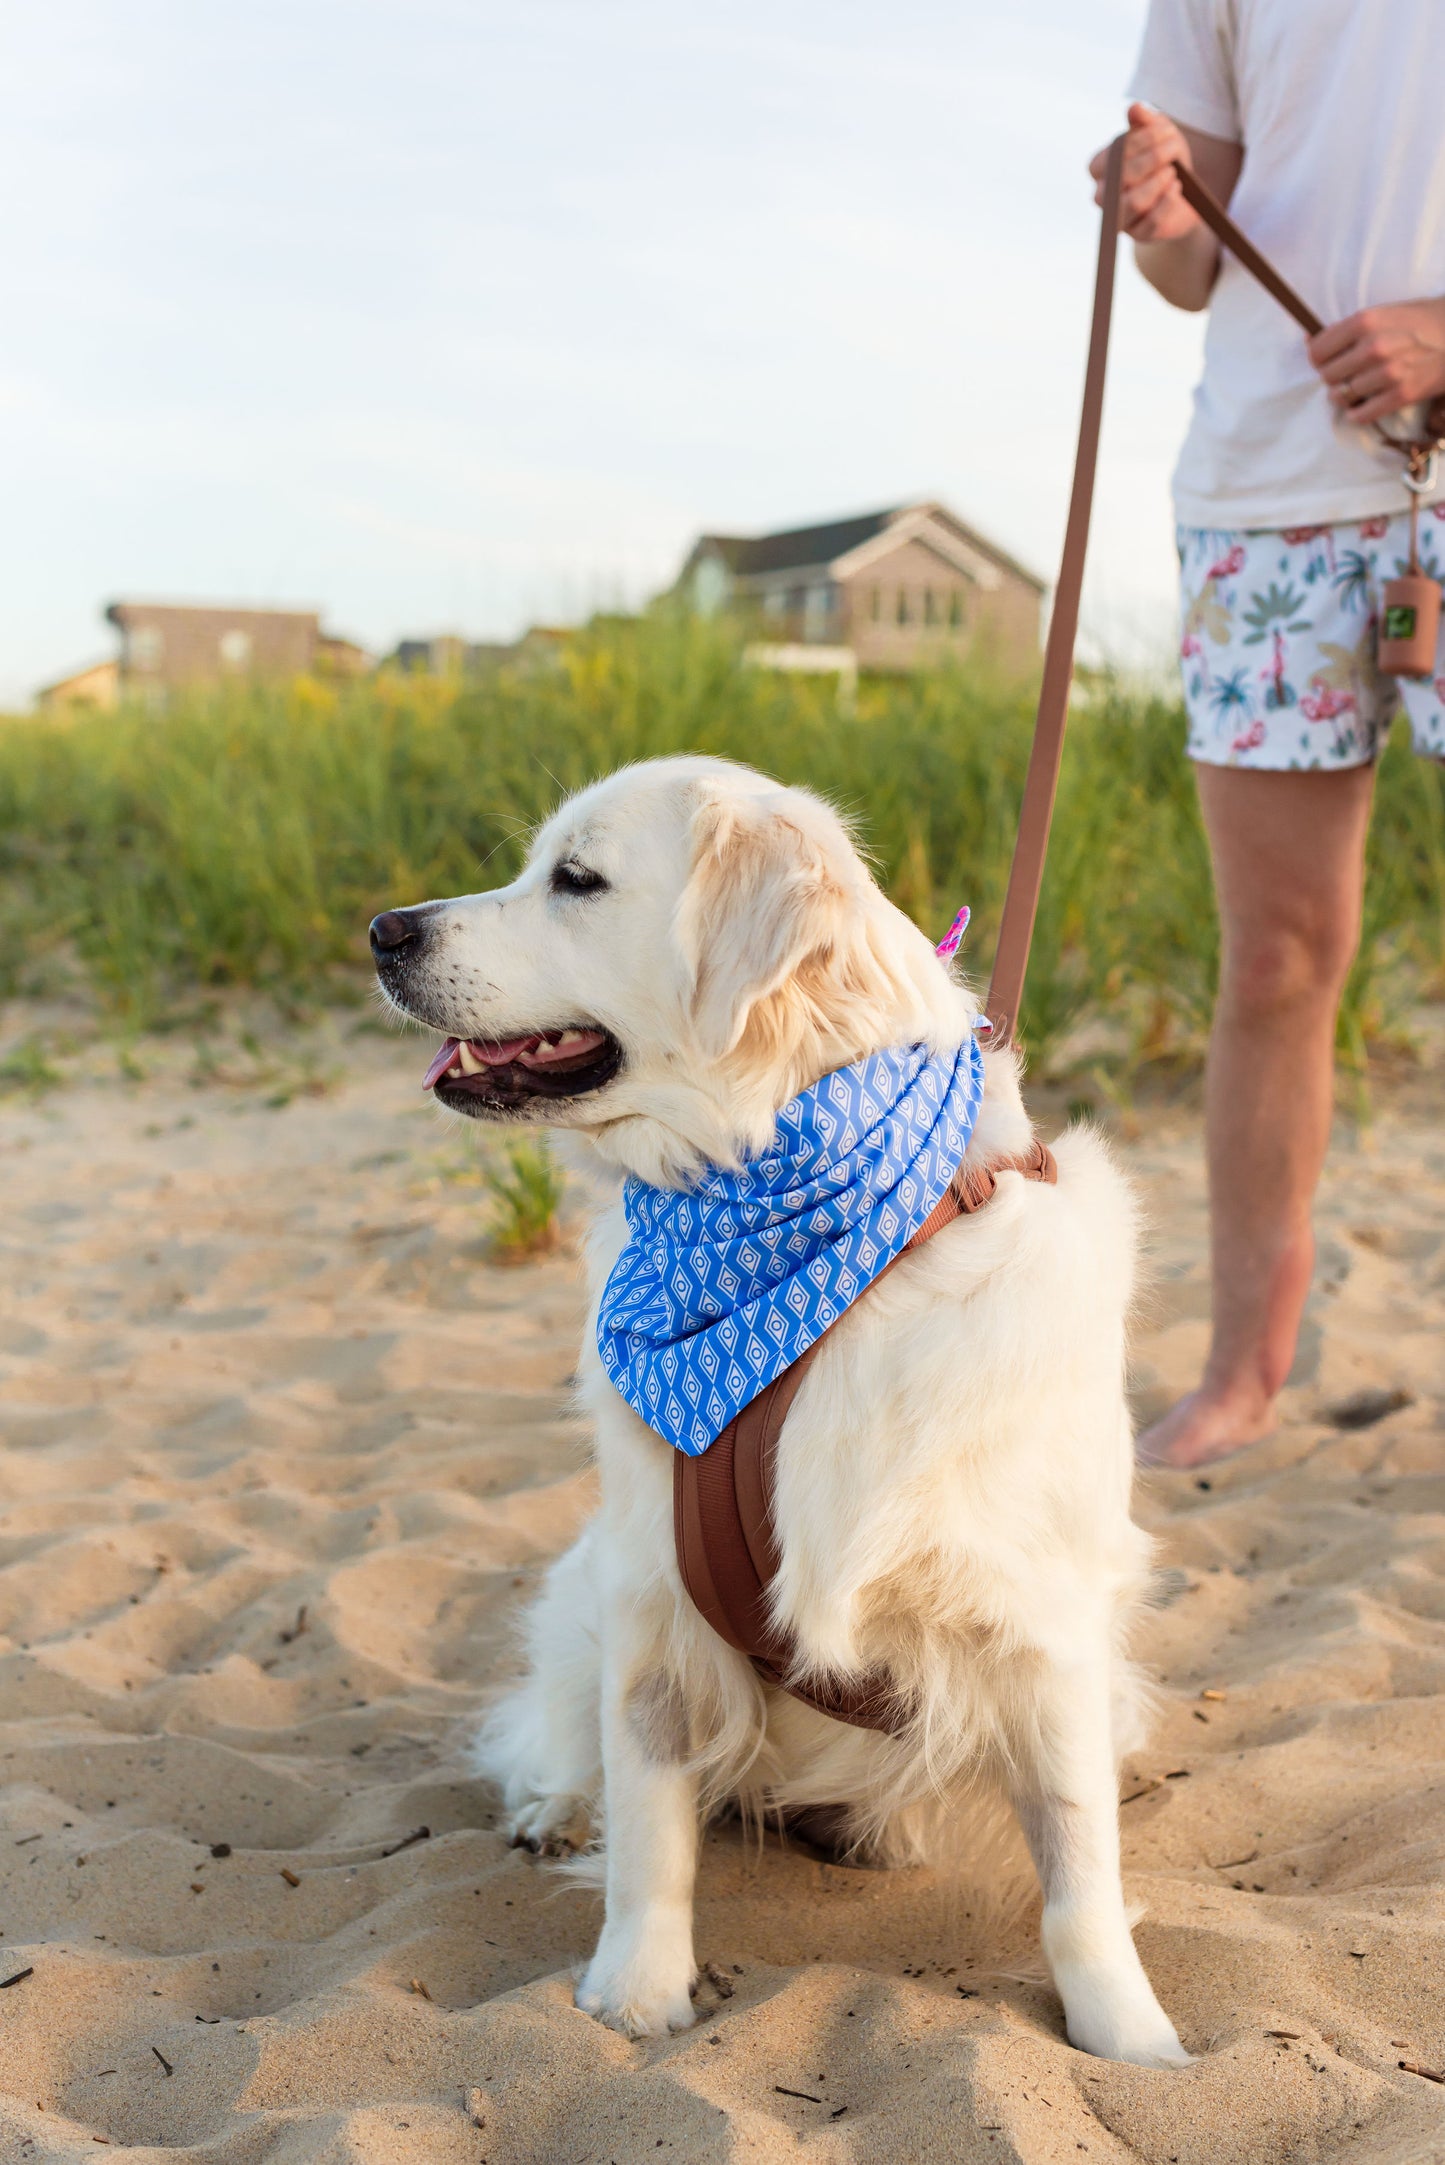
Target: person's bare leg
[(1288, 855)]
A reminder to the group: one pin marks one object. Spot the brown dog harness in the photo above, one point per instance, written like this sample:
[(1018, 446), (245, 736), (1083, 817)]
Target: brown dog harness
[(722, 1502)]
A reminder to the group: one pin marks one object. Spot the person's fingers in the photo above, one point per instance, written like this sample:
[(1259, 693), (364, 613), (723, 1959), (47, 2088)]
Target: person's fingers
[(1355, 363), (1375, 409), (1144, 122), (1141, 158), (1365, 384), (1147, 172), (1098, 164), (1140, 194), (1137, 203), (1352, 362), (1150, 148), (1147, 126), (1145, 202), (1334, 340)]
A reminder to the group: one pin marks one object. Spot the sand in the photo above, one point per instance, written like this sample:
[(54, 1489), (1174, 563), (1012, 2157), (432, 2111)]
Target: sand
[(283, 1451)]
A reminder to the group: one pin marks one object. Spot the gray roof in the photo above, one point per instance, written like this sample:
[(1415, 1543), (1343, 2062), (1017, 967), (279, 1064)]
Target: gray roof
[(799, 547), (803, 548)]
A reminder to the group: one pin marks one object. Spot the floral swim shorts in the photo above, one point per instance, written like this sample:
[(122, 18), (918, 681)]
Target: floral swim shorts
[(1278, 637)]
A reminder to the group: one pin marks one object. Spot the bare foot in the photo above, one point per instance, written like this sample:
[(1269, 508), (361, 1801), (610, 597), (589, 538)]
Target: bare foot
[(1203, 1427)]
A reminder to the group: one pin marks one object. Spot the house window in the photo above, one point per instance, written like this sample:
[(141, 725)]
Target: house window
[(903, 610), (818, 613), (875, 607), (144, 647), (235, 649), (930, 606), (955, 609), (775, 601), (710, 584)]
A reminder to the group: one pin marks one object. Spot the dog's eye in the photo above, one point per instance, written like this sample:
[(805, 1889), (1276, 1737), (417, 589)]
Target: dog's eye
[(576, 879)]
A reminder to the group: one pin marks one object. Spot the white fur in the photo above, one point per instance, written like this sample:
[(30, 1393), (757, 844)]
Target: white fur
[(953, 1481)]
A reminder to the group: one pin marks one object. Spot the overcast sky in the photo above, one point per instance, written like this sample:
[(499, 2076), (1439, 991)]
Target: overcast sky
[(465, 313)]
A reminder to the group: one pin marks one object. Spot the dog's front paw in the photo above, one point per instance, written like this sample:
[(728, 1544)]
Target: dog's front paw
[(551, 1826), (1136, 2029), (640, 1979), (1155, 2047)]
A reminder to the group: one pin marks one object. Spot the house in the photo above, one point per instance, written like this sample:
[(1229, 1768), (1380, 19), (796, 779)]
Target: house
[(448, 654), (97, 686), (169, 646), (893, 590)]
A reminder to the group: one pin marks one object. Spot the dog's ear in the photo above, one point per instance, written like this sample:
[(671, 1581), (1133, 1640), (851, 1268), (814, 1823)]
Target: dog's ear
[(765, 900)]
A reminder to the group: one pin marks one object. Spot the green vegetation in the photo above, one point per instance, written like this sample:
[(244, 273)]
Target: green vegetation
[(26, 1068), (526, 1191), (247, 840)]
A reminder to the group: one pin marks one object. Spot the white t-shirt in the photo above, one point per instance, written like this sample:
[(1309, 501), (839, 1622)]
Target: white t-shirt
[(1340, 107)]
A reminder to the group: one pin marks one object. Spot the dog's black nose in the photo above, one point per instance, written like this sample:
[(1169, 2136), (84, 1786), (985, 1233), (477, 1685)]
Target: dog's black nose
[(395, 930)]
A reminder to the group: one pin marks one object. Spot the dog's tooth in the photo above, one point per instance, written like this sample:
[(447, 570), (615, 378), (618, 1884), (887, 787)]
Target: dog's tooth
[(467, 1060), (569, 1037)]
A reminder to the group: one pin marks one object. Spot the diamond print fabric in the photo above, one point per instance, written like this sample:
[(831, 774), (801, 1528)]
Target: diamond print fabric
[(722, 1286)]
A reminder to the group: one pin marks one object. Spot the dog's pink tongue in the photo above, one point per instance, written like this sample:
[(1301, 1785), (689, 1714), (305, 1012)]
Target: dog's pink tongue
[(502, 1051), (445, 1054)]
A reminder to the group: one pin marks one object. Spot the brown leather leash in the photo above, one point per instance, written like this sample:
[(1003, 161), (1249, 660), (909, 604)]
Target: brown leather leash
[(1036, 811), (722, 1502)]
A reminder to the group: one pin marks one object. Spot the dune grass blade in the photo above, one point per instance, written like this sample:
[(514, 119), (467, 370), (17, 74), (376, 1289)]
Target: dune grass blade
[(526, 1194)]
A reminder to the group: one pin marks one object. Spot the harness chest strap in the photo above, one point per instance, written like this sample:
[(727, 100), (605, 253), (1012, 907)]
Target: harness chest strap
[(722, 1502)]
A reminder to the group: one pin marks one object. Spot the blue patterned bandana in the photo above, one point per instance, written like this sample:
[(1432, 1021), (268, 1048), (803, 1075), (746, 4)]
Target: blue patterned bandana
[(722, 1286)]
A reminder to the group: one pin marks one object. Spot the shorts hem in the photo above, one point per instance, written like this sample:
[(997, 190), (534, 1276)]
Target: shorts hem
[(1252, 763)]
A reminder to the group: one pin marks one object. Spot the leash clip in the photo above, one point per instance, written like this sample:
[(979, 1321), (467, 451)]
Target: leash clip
[(1422, 470)]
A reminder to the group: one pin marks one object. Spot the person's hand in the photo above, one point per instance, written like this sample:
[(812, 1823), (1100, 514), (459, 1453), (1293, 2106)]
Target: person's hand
[(1383, 358), (1151, 206)]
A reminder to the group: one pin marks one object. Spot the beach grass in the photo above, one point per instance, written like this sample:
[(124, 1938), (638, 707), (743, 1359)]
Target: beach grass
[(525, 1185), (246, 839)]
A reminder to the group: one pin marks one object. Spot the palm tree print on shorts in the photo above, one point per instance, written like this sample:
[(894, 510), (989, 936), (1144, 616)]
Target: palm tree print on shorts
[(1271, 615), (1352, 579), (1276, 605), (1229, 697)]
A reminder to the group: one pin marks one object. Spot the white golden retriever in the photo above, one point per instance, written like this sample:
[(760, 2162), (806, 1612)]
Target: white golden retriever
[(690, 945)]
